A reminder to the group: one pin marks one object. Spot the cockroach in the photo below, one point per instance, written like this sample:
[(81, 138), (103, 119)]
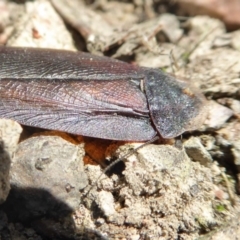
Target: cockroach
[(95, 96)]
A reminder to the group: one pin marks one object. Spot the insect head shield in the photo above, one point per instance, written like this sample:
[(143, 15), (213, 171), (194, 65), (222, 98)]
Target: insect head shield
[(174, 107)]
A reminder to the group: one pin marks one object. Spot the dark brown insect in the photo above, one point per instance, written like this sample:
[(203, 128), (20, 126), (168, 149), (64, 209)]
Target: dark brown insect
[(94, 96)]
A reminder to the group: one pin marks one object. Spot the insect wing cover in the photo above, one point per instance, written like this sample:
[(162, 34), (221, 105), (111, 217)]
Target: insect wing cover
[(73, 92)]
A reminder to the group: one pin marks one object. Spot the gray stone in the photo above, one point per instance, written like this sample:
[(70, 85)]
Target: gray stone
[(197, 152), (236, 153), (217, 115), (105, 202), (9, 136), (46, 176)]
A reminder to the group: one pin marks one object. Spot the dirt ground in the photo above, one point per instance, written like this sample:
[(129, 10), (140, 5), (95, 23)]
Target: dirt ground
[(183, 188)]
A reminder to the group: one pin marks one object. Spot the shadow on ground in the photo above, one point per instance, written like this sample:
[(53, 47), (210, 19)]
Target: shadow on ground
[(44, 217)]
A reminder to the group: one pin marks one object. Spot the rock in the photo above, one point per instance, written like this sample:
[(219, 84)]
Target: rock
[(230, 132), (4, 173), (216, 73), (105, 202), (9, 136), (231, 103), (158, 182), (235, 106), (230, 230), (223, 40), (202, 28), (171, 27), (46, 176), (236, 154), (208, 141), (33, 28), (217, 116), (235, 40), (197, 151)]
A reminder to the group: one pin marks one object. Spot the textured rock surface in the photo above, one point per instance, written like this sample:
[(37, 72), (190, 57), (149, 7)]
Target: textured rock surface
[(161, 183), (9, 136), (46, 177), (197, 152), (4, 173)]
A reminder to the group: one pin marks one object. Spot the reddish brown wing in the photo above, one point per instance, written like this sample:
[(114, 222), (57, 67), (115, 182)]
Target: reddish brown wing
[(71, 92), (56, 64)]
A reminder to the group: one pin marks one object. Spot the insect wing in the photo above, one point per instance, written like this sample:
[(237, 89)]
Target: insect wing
[(49, 64), (111, 108)]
